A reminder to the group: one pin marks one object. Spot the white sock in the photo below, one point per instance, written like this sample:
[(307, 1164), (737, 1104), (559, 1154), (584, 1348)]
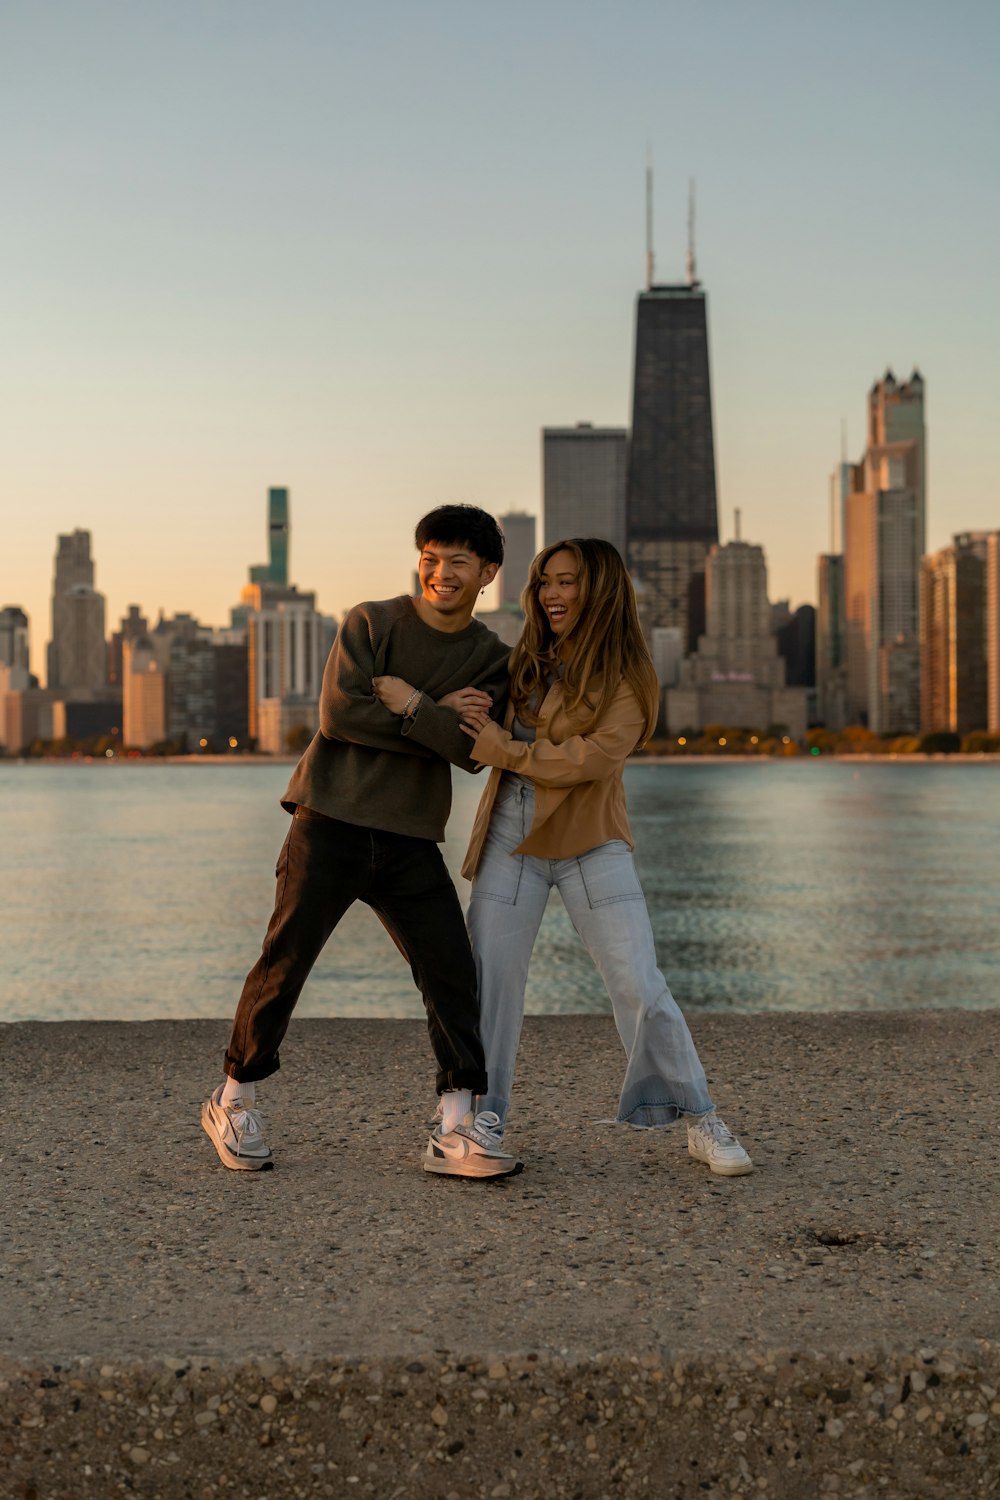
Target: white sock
[(232, 1090), (455, 1105)]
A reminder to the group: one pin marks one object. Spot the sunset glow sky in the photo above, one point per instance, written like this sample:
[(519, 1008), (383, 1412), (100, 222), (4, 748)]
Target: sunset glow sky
[(367, 252)]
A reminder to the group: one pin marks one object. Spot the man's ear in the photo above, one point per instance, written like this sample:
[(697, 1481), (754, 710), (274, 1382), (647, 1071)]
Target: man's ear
[(488, 574)]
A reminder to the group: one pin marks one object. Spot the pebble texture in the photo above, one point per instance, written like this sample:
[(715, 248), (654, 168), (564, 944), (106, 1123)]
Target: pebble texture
[(613, 1320)]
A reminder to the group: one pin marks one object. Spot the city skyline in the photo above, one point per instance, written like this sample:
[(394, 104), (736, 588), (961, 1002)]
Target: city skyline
[(373, 277)]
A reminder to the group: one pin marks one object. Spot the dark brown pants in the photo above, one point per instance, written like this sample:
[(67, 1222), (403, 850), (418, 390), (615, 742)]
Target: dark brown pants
[(324, 866)]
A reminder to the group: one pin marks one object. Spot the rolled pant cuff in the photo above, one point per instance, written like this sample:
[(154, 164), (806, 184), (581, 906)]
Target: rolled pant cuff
[(461, 1078), (249, 1072)]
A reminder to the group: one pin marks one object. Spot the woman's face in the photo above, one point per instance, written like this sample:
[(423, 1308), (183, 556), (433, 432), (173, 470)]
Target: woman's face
[(559, 592)]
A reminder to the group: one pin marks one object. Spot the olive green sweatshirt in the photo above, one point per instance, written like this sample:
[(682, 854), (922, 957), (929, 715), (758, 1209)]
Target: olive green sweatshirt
[(372, 767)]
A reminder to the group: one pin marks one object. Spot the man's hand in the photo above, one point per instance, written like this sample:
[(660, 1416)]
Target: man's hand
[(395, 694), (463, 699), (474, 721)]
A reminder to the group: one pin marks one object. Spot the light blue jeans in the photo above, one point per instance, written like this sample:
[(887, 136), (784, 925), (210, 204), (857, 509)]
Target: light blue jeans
[(664, 1077)]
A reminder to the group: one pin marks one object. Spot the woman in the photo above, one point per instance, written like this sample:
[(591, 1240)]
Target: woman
[(583, 696)]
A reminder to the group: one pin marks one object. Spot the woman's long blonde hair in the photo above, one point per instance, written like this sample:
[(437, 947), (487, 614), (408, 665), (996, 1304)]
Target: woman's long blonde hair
[(603, 648)]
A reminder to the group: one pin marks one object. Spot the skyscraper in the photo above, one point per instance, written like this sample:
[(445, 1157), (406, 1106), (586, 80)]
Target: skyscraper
[(953, 673), (993, 632), (14, 648), (830, 650), (671, 506), (130, 628), (736, 676), (285, 661), (883, 545), (77, 654), (278, 535), (518, 529), (144, 694), (583, 483)]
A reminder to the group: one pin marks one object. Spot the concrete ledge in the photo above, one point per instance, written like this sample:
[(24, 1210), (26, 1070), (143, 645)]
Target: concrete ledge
[(780, 1425), (615, 1320)]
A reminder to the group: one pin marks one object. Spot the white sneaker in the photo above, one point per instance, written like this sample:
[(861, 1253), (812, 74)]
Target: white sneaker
[(710, 1140), (237, 1133), (489, 1120), (468, 1151)]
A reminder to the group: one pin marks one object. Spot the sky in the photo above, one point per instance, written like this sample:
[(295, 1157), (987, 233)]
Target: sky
[(368, 251)]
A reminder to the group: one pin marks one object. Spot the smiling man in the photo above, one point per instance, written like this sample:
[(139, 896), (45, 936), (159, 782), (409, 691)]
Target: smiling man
[(369, 801)]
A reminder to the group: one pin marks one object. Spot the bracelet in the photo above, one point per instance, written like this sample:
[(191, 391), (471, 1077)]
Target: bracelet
[(406, 706)]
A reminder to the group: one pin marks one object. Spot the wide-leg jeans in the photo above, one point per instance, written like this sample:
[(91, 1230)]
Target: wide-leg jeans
[(664, 1077), (324, 866)]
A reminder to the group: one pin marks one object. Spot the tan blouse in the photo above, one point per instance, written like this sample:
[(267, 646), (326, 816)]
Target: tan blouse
[(579, 796)]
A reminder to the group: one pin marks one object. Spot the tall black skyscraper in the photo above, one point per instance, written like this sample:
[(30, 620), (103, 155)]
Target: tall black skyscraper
[(671, 507)]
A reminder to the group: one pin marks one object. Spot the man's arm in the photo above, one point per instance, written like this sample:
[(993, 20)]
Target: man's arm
[(438, 727), (348, 710)]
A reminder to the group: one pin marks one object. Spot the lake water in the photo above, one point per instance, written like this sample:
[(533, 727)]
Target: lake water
[(141, 891)]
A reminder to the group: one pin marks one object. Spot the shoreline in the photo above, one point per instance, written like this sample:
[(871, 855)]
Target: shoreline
[(613, 1316), (862, 758)]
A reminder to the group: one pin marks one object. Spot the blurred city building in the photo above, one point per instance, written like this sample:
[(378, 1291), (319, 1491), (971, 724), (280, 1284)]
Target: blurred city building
[(207, 684), (737, 676), (15, 644), (518, 529), (584, 470), (953, 643), (287, 640), (15, 673), (130, 628), (144, 694), (993, 632), (506, 623), (795, 633), (831, 662), (667, 650), (285, 657), (25, 716), (883, 544), (275, 570), (77, 654)]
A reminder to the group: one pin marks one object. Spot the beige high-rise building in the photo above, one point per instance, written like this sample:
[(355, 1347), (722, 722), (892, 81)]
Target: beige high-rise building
[(736, 676), (884, 522), (77, 653), (144, 695), (285, 640), (953, 636)]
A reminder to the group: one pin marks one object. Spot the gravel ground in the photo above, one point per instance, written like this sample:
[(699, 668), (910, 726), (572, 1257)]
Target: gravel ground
[(615, 1319)]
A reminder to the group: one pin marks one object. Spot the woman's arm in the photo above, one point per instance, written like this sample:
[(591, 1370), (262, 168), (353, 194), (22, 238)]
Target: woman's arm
[(583, 757)]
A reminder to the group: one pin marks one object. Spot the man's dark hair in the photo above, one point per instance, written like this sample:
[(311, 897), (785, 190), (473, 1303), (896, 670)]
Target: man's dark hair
[(462, 526)]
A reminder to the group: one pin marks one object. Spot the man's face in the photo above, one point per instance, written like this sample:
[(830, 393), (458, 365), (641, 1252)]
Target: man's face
[(451, 577)]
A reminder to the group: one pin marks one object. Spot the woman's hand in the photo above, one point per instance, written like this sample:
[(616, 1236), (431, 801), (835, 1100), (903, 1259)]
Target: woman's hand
[(474, 721), (395, 694), (466, 698)]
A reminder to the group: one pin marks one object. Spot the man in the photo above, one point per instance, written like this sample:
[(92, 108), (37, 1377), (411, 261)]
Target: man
[(369, 801)]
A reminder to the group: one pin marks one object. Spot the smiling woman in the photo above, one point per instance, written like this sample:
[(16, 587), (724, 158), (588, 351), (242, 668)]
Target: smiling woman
[(583, 697), (559, 591)]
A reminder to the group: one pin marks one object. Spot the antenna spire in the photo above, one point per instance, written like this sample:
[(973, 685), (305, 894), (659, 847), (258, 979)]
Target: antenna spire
[(737, 533), (649, 217), (692, 275)]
